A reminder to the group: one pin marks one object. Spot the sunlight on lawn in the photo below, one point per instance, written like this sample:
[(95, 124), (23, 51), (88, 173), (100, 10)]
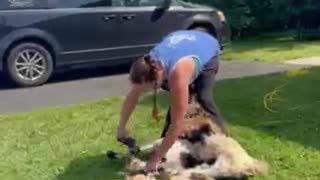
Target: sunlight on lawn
[(270, 50), (71, 143)]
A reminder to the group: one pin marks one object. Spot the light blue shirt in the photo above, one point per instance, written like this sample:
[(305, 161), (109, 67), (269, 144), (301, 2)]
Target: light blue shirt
[(184, 43)]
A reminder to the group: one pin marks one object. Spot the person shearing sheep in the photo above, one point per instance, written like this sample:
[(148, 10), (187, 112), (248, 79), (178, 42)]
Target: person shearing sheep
[(185, 61)]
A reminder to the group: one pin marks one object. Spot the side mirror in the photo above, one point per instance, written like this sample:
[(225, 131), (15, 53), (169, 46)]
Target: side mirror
[(160, 10)]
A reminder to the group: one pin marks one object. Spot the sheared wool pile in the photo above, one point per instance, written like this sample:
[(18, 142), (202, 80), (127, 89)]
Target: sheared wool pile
[(201, 153)]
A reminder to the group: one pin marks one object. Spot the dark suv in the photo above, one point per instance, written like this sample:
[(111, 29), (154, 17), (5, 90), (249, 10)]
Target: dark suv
[(38, 37)]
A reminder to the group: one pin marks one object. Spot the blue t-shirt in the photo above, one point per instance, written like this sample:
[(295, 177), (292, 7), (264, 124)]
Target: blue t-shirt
[(184, 43)]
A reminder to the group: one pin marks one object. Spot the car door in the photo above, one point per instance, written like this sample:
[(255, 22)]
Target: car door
[(139, 32), (87, 30)]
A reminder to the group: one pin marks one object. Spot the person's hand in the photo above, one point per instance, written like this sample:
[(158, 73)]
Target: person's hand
[(154, 162), (121, 133), (152, 165)]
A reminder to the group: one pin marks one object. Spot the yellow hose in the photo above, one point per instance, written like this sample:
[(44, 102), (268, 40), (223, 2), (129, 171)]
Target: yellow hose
[(272, 97)]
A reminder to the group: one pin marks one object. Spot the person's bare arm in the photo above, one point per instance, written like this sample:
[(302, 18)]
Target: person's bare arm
[(179, 92), (127, 109)]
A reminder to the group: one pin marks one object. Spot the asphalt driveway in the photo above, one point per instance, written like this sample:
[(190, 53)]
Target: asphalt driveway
[(86, 85)]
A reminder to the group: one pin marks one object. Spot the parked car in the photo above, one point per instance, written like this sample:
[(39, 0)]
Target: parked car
[(40, 37)]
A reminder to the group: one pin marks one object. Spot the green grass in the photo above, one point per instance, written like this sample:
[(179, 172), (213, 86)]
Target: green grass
[(70, 143), (271, 48)]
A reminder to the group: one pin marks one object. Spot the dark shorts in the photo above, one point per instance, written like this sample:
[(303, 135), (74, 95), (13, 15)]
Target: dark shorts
[(213, 64), (202, 89)]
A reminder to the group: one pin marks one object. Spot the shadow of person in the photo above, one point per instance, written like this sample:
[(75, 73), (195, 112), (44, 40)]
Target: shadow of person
[(94, 168)]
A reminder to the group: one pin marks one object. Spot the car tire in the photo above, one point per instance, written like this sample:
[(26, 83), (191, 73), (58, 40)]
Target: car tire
[(29, 64)]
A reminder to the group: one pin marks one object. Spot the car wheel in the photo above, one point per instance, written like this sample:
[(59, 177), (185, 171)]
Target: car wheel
[(29, 64)]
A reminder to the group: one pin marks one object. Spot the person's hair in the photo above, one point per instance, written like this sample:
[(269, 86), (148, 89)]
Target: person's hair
[(145, 70)]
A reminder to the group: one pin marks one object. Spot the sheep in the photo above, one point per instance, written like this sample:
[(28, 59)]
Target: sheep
[(202, 152)]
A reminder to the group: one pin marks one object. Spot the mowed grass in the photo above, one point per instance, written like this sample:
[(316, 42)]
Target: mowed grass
[(71, 143), (271, 48)]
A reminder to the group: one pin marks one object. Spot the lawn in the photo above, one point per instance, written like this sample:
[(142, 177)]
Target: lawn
[(275, 47), (70, 143)]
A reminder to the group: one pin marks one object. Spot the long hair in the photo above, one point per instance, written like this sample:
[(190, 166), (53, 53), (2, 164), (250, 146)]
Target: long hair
[(145, 70)]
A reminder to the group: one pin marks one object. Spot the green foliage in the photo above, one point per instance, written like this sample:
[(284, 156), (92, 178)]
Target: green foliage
[(248, 16)]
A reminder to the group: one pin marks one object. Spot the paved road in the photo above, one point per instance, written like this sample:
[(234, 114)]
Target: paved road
[(86, 85)]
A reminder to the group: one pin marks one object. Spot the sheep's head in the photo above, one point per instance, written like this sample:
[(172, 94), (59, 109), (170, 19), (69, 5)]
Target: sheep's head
[(196, 129)]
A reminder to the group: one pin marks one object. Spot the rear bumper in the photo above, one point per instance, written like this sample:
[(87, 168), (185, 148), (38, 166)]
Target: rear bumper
[(1, 58), (2, 53)]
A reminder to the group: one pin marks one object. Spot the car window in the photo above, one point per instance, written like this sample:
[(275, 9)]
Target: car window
[(140, 3), (22, 4), (84, 3), (117, 3)]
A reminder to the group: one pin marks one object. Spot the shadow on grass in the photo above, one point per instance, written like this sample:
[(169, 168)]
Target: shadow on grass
[(241, 102), (97, 167)]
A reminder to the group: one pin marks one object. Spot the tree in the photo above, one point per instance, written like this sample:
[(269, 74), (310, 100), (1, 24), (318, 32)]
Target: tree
[(266, 15)]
